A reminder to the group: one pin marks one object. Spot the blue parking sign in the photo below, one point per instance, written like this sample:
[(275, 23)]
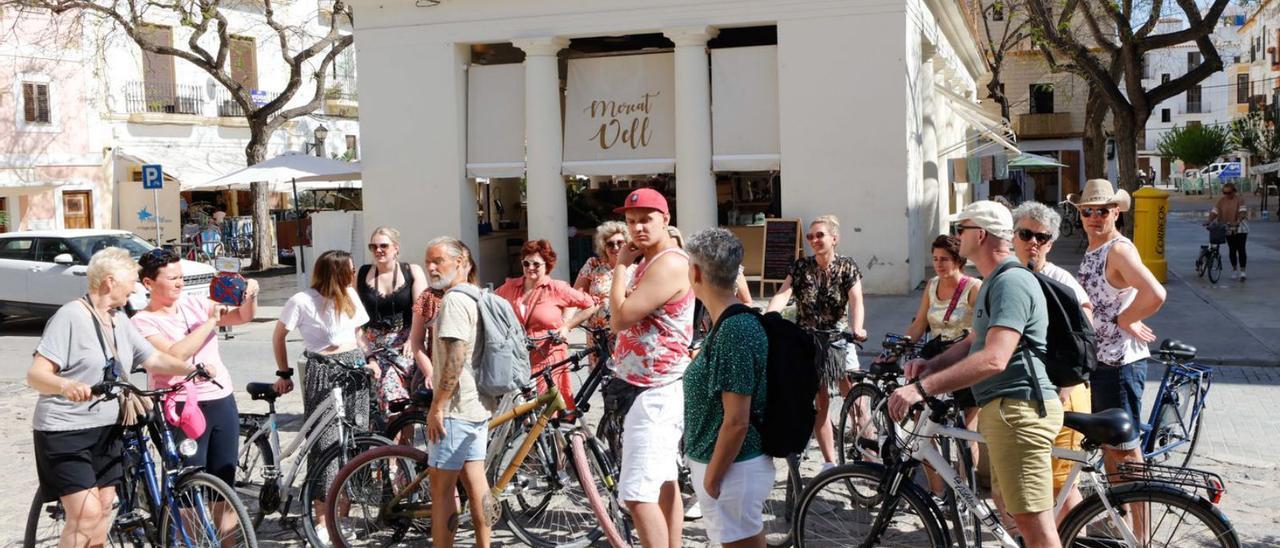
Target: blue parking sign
[(152, 177)]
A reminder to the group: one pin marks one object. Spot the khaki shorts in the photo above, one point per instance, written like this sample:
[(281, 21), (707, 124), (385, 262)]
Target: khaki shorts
[(1019, 443), (1081, 401)]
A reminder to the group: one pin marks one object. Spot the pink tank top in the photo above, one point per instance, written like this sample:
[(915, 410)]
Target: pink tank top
[(655, 351)]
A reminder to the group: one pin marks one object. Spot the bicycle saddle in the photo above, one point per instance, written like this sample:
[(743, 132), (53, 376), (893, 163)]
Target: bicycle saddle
[(1110, 427), (262, 391), (1177, 350)]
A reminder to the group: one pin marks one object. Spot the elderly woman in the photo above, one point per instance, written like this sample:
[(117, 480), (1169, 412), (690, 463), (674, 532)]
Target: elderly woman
[(596, 276), (724, 391), (388, 289), (77, 445), (1035, 228), (826, 287), (541, 304)]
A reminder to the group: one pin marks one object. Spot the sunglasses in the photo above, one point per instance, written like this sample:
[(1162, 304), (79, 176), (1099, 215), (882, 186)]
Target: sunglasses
[(616, 244), (532, 264), (1101, 212), (959, 229), (375, 247), (815, 236), (1026, 235), (157, 256)]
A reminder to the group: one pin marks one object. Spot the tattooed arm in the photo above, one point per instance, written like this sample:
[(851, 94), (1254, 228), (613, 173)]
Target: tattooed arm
[(455, 357)]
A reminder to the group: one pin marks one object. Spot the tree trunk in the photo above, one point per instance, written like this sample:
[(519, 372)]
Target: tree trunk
[(996, 93), (1127, 126), (256, 152), (1095, 140)]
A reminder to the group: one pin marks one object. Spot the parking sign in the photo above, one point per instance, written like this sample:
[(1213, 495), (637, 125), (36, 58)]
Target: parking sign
[(152, 177)]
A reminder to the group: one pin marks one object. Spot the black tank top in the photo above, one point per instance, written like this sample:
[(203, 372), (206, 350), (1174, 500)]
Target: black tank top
[(394, 310)]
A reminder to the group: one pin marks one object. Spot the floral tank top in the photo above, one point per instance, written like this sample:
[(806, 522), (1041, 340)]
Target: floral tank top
[(1116, 347), (655, 351)]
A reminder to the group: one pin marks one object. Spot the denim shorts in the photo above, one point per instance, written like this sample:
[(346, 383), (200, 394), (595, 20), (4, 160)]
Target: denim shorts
[(1121, 388), (464, 441)]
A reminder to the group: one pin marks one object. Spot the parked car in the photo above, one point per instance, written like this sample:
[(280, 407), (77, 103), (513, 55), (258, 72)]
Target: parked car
[(42, 270)]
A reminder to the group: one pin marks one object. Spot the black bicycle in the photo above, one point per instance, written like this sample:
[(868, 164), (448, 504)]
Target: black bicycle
[(1209, 262)]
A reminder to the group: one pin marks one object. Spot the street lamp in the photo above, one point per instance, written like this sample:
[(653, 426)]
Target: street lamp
[(318, 146)]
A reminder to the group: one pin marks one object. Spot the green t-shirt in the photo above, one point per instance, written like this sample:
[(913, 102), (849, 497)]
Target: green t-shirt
[(1017, 303), (733, 360)]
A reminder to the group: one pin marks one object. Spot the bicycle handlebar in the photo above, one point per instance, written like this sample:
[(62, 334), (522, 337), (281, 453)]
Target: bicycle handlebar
[(105, 392)]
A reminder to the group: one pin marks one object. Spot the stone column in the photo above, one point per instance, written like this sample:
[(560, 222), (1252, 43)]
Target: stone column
[(931, 190), (695, 183), (548, 210)]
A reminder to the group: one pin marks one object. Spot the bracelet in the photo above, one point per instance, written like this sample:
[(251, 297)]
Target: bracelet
[(286, 374), (920, 389)]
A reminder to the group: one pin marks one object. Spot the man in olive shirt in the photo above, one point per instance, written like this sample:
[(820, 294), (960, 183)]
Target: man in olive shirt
[(1009, 389)]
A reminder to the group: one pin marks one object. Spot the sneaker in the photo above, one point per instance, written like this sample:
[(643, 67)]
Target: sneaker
[(1235, 275), (1242, 276), (693, 511)]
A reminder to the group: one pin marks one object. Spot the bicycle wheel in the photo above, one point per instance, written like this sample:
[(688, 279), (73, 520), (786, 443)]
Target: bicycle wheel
[(316, 485), (592, 479), (45, 521), (409, 429), (862, 426), (210, 514), (840, 506), (1066, 226), (365, 488), (1172, 518), (541, 504), (1174, 438), (964, 523), (1200, 263), (254, 459), (780, 505), (1213, 265)]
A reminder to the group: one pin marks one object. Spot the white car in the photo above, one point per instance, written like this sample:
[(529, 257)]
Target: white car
[(42, 270)]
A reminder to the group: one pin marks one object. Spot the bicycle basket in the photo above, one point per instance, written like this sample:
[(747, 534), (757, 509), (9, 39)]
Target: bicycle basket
[(1217, 233)]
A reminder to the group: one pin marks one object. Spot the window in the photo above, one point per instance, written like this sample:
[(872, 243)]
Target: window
[(18, 249), (353, 150), (244, 62), (1041, 98), (1194, 105), (1164, 78), (1242, 88), (48, 248), (1193, 60), (35, 103), (1165, 115)]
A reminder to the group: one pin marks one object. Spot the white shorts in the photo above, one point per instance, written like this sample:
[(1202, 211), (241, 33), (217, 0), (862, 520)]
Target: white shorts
[(651, 436), (739, 512)]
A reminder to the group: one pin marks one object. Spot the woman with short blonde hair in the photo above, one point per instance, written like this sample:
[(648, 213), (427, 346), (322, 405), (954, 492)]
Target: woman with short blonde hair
[(596, 276)]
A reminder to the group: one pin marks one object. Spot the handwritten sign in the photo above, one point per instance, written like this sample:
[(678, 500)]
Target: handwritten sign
[(620, 109), (781, 247)]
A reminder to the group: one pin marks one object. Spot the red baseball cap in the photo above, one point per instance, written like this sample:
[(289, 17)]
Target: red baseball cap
[(644, 198)]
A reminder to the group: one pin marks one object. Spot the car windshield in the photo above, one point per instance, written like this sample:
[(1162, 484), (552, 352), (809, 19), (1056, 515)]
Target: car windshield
[(88, 245)]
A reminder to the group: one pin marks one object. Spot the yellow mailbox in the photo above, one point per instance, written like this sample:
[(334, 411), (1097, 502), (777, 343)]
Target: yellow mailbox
[(1150, 216)]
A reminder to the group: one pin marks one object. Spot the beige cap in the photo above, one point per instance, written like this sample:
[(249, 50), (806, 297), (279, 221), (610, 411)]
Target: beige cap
[(994, 218)]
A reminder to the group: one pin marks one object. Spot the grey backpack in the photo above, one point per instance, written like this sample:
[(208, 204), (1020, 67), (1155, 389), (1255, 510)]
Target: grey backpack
[(501, 355)]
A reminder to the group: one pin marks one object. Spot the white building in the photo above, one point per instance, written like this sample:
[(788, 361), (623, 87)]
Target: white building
[(116, 108), (852, 108)]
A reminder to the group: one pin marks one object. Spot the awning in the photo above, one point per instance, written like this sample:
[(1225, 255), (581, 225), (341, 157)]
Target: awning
[(495, 121), (744, 109), (281, 172), (1027, 160), (619, 115), (1265, 168), (610, 168), (192, 165), (992, 129)]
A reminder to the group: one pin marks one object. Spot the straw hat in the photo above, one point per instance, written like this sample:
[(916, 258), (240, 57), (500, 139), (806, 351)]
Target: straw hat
[(1099, 192)]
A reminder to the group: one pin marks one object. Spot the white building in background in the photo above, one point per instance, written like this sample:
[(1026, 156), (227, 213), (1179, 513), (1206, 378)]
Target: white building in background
[(1211, 102), (133, 108), (736, 110)]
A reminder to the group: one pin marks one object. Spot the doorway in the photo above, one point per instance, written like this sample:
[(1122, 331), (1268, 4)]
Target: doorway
[(4, 214), (77, 209)]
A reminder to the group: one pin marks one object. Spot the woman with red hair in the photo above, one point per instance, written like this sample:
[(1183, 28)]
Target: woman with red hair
[(541, 304)]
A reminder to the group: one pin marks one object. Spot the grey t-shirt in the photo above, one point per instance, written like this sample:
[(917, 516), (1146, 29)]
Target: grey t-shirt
[(71, 343), (457, 320), (1017, 303)]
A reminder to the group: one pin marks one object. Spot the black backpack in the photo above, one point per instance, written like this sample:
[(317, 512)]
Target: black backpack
[(792, 379), (1071, 349)]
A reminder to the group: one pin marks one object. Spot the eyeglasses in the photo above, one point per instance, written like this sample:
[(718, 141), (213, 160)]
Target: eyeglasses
[(616, 244), (1026, 234), (375, 247), (1101, 212), (532, 264), (815, 236)]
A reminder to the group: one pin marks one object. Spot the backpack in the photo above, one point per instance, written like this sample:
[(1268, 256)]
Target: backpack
[(1071, 349), (792, 378), (500, 359)]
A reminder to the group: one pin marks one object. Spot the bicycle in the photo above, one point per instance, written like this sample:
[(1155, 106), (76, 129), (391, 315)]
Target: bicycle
[(1209, 262), (1070, 219), (261, 465), (1172, 430), (881, 506), (390, 503), (157, 504)]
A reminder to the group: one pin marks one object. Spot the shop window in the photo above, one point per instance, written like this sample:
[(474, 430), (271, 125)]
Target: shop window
[(1041, 98), (35, 103)]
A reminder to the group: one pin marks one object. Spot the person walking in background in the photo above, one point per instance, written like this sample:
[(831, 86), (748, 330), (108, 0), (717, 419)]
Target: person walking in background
[(329, 315), (828, 294), (1231, 210), (541, 305), (388, 290), (652, 318), (1035, 229), (1123, 293), (724, 396), (458, 422), (596, 276)]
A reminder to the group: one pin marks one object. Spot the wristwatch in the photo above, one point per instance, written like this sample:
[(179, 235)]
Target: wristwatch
[(285, 373), (920, 389)]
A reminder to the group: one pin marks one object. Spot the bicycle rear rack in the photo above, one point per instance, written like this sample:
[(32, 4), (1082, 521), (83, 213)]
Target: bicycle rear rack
[(1192, 478)]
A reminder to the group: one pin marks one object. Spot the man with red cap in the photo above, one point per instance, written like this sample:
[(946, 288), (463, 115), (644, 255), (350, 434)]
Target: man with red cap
[(652, 316)]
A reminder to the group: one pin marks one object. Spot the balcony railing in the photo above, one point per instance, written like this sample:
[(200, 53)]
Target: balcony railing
[(1055, 124), (164, 98), (1196, 107)]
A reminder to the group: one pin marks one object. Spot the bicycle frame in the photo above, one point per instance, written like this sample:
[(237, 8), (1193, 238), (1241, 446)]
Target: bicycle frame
[(159, 493), (309, 435), (1199, 375)]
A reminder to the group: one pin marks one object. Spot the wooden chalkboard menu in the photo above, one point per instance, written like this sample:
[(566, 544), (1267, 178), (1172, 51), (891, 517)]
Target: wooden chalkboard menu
[(781, 247)]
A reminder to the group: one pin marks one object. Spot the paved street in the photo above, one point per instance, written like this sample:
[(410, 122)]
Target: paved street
[(1230, 322)]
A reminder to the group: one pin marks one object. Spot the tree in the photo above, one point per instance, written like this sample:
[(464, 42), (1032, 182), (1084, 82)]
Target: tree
[(1106, 43), (1008, 36), (1196, 145), (209, 47), (1256, 134)]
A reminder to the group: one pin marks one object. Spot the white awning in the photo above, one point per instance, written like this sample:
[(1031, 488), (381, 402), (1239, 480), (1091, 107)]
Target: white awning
[(993, 129), (744, 109), (191, 165), (1265, 168), (620, 115), (495, 120)]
